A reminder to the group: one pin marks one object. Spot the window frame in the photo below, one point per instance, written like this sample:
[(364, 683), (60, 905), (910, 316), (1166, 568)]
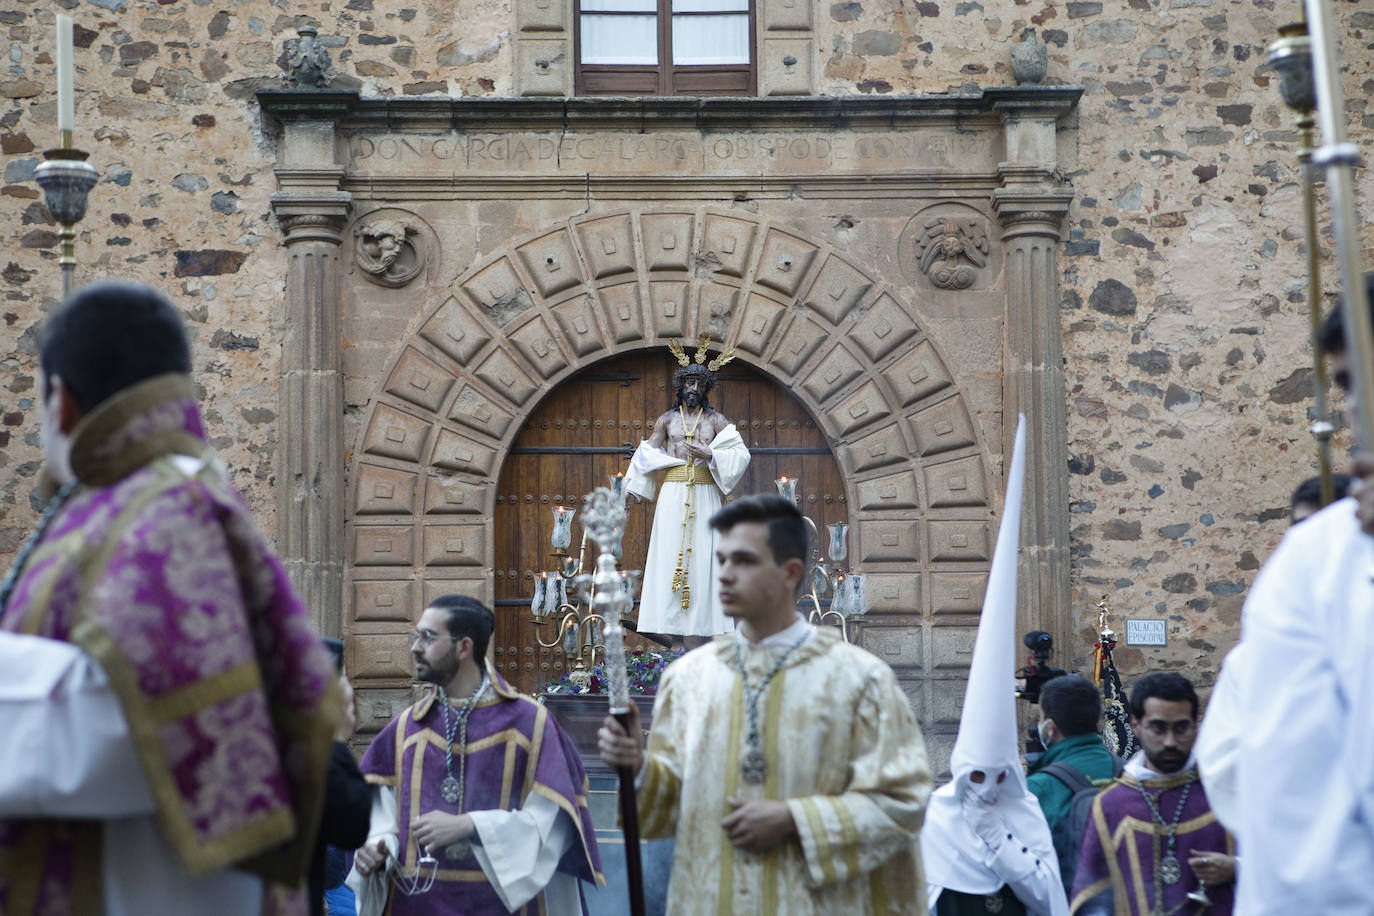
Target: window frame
[(665, 78)]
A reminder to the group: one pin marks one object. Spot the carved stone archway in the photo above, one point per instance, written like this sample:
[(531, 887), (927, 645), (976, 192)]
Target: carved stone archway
[(853, 352), (968, 190)]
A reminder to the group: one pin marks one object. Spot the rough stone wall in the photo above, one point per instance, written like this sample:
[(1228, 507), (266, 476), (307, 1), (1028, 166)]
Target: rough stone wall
[(1184, 307)]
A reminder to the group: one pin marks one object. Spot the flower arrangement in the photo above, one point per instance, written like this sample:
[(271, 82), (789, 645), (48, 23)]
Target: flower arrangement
[(645, 669)]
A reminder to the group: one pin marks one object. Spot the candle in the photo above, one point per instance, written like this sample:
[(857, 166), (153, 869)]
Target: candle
[(66, 98), (787, 488), (618, 487)]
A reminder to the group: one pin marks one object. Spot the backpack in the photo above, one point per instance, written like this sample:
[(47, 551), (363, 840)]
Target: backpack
[(1068, 832)]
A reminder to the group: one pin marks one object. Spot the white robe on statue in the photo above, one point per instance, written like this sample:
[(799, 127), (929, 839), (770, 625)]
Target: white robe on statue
[(660, 606), (68, 753), (1306, 781)]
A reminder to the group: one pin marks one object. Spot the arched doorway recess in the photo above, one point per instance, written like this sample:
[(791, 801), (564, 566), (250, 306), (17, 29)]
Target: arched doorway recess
[(583, 431), (856, 356)]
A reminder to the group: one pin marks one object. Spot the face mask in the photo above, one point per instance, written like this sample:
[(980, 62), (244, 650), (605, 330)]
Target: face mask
[(1040, 730), (57, 448)]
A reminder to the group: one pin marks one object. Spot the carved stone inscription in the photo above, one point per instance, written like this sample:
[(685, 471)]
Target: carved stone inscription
[(780, 152)]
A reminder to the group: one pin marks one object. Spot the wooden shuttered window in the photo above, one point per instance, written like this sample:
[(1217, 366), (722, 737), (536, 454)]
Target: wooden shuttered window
[(665, 47)]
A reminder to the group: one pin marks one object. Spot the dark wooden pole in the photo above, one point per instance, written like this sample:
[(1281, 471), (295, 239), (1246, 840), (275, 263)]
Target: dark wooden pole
[(629, 821)]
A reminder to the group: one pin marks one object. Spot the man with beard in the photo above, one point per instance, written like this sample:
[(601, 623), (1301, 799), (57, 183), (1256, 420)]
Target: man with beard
[(1153, 844), (481, 807), (703, 457)]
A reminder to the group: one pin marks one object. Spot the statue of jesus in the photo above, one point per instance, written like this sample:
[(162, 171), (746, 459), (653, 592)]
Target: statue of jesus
[(702, 457)]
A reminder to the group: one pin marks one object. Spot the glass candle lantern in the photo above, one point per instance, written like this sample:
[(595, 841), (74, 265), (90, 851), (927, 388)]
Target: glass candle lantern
[(787, 488), (858, 595), (541, 592), (618, 487), (556, 593), (840, 599), (562, 527), (839, 549)]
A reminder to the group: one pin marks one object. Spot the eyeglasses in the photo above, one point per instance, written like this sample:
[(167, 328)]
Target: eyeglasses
[(426, 638)]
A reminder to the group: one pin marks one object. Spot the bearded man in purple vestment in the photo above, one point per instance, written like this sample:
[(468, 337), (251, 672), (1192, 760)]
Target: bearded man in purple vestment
[(1153, 846), (482, 806), (167, 705)]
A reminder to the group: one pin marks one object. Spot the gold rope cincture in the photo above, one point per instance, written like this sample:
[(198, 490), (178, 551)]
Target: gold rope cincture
[(684, 550)]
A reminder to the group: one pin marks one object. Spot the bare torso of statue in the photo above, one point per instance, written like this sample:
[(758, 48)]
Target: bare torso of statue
[(686, 430)]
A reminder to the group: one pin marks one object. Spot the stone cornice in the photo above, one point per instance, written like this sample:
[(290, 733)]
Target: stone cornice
[(351, 111)]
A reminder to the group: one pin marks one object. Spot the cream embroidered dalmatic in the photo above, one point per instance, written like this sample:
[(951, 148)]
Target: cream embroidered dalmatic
[(843, 750)]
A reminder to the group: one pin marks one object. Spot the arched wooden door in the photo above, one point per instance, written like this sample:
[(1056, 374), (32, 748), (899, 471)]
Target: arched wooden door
[(584, 431)]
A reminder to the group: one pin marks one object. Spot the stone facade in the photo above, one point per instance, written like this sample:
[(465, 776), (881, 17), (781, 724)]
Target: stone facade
[(1179, 282)]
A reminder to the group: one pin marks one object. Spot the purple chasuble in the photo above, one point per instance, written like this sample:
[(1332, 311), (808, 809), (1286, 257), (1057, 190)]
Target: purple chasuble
[(1123, 840), (515, 749), (155, 567)]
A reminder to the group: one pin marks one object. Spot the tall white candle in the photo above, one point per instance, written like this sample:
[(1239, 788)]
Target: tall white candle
[(66, 97)]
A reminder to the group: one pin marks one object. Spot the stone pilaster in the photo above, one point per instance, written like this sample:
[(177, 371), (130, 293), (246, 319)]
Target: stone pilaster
[(312, 212), (1031, 205)]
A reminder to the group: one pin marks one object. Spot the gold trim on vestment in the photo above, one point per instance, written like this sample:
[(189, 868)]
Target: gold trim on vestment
[(182, 702), (541, 718), (772, 718), (849, 836), (96, 427), (726, 899), (1089, 892), (70, 547), (433, 738), (689, 474)]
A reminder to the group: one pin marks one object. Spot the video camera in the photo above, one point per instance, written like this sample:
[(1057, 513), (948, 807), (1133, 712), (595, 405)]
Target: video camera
[(1034, 676)]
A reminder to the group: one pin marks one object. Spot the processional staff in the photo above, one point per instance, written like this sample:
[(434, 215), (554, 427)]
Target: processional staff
[(66, 177), (1339, 158), (604, 519)]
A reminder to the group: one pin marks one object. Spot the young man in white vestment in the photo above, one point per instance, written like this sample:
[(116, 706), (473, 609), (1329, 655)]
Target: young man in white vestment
[(786, 762), (1305, 778)]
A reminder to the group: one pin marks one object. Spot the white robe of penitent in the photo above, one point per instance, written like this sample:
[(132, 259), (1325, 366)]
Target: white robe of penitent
[(1306, 763), (68, 754), (660, 605)]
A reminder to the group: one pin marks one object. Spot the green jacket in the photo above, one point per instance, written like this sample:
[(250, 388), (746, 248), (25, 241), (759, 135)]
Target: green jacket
[(1085, 752)]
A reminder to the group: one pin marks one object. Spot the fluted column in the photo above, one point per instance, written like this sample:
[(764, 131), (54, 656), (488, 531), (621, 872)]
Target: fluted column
[(312, 213), (1031, 205)]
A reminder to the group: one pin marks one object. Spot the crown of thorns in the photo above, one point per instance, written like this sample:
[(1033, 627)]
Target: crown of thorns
[(703, 342), (708, 378)]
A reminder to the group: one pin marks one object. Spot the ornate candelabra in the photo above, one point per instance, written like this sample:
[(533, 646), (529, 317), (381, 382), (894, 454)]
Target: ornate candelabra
[(581, 621), (848, 591)]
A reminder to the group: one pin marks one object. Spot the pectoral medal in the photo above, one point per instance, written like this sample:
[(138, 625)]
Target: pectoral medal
[(1169, 870), (753, 766), (451, 790)]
